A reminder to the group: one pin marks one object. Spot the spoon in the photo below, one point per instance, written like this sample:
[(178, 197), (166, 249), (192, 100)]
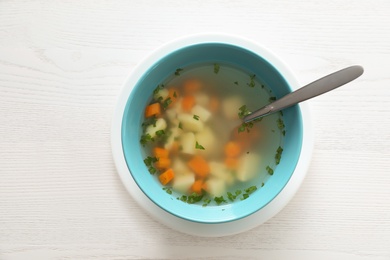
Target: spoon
[(316, 88)]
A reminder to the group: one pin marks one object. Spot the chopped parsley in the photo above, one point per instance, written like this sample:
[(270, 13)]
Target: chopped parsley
[(272, 99), (166, 103), (232, 196), (278, 155), (196, 117), (198, 146), (157, 89), (145, 139), (216, 68), (149, 121), (180, 125), (191, 199), (269, 170), (219, 200), (160, 133), (236, 82), (149, 161), (177, 72), (243, 111), (206, 202), (168, 190), (280, 123), (252, 81)]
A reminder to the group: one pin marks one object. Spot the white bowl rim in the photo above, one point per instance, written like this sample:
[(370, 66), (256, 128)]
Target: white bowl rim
[(196, 228)]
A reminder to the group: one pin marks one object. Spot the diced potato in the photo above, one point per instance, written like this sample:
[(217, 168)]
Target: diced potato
[(180, 167), (202, 112), (248, 166), (175, 132), (163, 93), (161, 124), (187, 142), (216, 187), (231, 105), (207, 139), (202, 99), (182, 183), (189, 123), (219, 170)]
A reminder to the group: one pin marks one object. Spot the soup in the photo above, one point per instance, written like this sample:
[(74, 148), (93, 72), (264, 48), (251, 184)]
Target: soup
[(194, 139)]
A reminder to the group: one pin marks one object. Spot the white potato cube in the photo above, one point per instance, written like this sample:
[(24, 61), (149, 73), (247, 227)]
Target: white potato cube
[(162, 93), (231, 105), (248, 166), (220, 171), (179, 167), (182, 183), (189, 123), (207, 139), (187, 142), (161, 124), (202, 99), (216, 187), (174, 132), (202, 112)]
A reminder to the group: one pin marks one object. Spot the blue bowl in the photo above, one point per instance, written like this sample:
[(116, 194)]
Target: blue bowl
[(155, 69)]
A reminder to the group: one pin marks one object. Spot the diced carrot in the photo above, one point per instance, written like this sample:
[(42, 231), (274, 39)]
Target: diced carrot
[(187, 103), (198, 186), (214, 104), (231, 163), (199, 166), (192, 85), (166, 176), (232, 149), (247, 138), (152, 109), (163, 163), (160, 152)]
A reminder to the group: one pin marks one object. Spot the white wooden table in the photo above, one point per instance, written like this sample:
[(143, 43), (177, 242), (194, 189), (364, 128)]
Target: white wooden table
[(62, 64)]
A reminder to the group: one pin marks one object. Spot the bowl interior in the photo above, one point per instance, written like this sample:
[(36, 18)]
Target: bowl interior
[(156, 70)]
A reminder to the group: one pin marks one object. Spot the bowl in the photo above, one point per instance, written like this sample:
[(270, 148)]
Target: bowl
[(213, 220)]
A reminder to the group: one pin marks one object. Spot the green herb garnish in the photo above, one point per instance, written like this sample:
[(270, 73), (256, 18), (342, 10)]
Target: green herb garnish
[(236, 82), (278, 155), (157, 89), (146, 138), (196, 117), (206, 202), (180, 125), (198, 146), (194, 198), (252, 81), (177, 72), (168, 190), (149, 121), (280, 123), (166, 103), (160, 133), (243, 111), (149, 161), (251, 189), (219, 200), (272, 99), (245, 196), (216, 68), (269, 170)]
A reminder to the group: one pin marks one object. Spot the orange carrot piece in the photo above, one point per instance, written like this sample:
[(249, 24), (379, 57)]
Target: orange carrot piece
[(187, 103), (192, 85), (163, 163), (175, 147), (160, 152), (231, 163), (199, 166), (214, 104), (198, 186), (166, 176), (232, 149), (152, 109)]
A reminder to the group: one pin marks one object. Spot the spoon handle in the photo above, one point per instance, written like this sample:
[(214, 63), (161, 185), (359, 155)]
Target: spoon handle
[(318, 87)]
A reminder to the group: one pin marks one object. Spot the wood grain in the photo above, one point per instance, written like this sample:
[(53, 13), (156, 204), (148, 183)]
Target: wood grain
[(62, 64)]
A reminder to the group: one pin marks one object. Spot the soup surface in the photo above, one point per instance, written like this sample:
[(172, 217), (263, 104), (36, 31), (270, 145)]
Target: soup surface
[(195, 142)]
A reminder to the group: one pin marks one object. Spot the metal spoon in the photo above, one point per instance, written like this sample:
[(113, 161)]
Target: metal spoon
[(316, 88)]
